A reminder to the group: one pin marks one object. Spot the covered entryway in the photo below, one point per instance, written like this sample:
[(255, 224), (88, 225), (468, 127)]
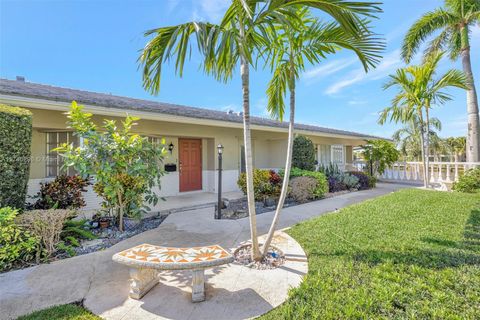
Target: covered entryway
[(190, 164)]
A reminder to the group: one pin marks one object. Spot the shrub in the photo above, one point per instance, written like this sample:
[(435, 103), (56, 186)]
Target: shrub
[(266, 183), (365, 181), (469, 182), (322, 184), (342, 181), (379, 154), (65, 192), (336, 184), (72, 232), (15, 144), (350, 181), (16, 245), (303, 189), (116, 157), (47, 226), (303, 156), (330, 169)]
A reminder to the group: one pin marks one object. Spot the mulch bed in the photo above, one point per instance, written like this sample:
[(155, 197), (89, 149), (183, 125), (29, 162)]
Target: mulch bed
[(110, 236), (238, 208)]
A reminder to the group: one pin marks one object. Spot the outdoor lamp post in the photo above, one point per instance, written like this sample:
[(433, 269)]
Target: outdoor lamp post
[(220, 204)]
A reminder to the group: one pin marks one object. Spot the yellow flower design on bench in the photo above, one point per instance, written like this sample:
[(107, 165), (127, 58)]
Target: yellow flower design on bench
[(151, 253)]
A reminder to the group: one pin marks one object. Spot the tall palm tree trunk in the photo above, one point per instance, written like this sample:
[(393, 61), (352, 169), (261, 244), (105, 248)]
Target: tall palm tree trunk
[(288, 165), (422, 142), (473, 133), (427, 143), (244, 71)]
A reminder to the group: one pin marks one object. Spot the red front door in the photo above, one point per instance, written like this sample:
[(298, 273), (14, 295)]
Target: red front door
[(190, 164)]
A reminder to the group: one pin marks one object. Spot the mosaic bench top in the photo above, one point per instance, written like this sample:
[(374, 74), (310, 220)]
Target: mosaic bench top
[(168, 258)]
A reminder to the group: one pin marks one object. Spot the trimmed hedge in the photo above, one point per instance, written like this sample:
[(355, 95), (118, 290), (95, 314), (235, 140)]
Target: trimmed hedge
[(15, 150), (303, 156)]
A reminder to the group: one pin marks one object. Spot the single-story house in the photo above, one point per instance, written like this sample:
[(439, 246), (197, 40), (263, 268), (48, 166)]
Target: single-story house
[(192, 132)]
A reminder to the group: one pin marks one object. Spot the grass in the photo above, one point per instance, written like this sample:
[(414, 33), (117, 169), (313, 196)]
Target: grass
[(413, 254), (63, 312)]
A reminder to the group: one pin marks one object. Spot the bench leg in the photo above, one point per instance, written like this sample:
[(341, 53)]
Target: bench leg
[(141, 281), (198, 285)]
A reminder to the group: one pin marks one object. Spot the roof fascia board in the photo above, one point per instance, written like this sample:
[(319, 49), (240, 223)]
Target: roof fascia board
[(45, 104)]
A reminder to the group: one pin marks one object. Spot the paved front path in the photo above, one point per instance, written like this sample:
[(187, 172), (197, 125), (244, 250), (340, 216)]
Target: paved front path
[(234, 292)]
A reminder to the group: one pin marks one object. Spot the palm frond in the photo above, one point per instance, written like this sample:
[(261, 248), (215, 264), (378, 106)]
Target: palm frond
[(167, 43), (423, 28), (277, 89)]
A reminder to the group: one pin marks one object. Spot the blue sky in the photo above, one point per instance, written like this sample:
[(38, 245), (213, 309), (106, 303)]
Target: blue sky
[(93, 45)]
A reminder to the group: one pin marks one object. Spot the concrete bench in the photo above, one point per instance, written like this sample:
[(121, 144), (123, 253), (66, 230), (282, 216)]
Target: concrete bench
[(146, 260)]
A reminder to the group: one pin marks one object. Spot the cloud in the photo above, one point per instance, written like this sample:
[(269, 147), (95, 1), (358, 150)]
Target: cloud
[(210, 10), (357, 102), (389, 64), (322, 71)]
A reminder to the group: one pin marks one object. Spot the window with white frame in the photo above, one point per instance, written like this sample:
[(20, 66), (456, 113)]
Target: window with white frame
[(337, 154), (155, 140), (323, 154), (54, 161)]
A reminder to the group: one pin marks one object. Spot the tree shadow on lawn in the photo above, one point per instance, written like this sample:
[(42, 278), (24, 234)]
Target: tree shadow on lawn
[(450, 254)]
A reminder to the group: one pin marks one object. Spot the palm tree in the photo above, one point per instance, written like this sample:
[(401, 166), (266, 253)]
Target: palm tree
[(408, 139), (457, 147), (418, 93), (236, 41), (454, 22), (306, 40)]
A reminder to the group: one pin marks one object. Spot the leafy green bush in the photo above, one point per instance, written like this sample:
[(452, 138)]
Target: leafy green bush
[(266, 183), (322, 184), (379, 154), (469, 182), (16, 244), (303, 156), (302, 189), (365, 181), (126, 165), (15, 146), (65, 192), (350, 181)]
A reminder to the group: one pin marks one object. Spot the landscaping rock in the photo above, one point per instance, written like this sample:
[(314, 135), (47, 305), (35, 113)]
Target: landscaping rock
[(273, 259)]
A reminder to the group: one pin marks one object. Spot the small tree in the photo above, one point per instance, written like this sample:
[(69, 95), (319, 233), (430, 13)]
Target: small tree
[(125, 166), (303, 156), (379, 155)]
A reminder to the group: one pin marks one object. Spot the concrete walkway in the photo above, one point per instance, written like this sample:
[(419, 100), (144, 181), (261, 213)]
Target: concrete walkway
[(235, 292)]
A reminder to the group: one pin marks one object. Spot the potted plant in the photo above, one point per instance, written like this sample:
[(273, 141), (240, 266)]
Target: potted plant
[(101, 219)]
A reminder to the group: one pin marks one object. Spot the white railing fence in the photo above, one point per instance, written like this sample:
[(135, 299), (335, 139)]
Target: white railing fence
[(439, 172)]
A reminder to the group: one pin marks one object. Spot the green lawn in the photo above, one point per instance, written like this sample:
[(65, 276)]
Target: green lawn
[(411, 254), (64, 312)]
